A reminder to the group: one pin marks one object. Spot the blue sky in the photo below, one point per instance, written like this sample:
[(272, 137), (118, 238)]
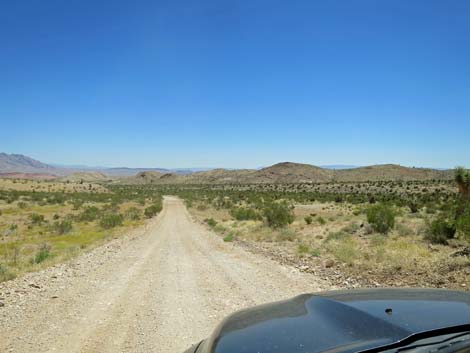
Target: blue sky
[(236, 83)]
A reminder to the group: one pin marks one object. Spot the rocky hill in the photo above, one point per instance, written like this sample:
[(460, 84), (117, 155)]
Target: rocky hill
[(18, 163), (282, 173), (390, 172), (288, 172)]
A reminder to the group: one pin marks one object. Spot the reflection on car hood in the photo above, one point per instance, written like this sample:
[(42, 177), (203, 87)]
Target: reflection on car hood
[(339, 321)]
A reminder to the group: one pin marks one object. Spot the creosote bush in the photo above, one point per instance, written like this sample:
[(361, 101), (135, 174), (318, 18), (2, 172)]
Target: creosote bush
[(463, 225), (211, 222), (133, 214), (381, 217), (152, 210), (440, 230), (244, 214), (111, 220), (5, 273), (308, 219), (42, 254), (278, 214), (89, 214), (63, 227), (36, 218), (229, 238)]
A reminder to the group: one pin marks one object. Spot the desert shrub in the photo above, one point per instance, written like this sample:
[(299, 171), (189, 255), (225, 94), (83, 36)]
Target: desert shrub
[(229, 238), (63, 227), (211, 222), (244, 214), (36, 218), (321, 220), (77, 204), (89, 214), (42, 254), (5, 273), (201, 207), (111, 220), (413, 206), (303, 249), (430, 208), (463, 226), (308, 219), (336, 236), (152, 210), (22, 205), (278, 214), (440, 230), (345, 250), (381, 217), (351, 228), (315, 252), (462, 177), (403, 230), (133, 214), (286, 234)]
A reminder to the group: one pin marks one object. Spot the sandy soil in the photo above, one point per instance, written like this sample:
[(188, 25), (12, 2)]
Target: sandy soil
[(158, 290)]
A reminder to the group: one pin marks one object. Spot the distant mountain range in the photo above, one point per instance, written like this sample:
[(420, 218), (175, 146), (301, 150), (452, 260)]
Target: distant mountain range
[(20, 164), (17, 165)]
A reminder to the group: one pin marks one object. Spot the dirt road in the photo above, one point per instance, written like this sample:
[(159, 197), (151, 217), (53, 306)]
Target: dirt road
[(159, 290)]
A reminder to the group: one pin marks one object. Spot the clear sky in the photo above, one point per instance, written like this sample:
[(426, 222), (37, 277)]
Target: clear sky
[(236, 83)]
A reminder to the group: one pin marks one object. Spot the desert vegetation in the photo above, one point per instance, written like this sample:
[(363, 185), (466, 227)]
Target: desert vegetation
[(395, 232), (398, 232), (39, 228)]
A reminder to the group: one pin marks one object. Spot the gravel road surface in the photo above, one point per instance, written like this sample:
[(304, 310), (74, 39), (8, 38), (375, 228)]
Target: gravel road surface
[(159, 289)]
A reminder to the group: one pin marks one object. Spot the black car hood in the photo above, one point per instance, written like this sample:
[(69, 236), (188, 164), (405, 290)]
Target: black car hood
[(338, 321)]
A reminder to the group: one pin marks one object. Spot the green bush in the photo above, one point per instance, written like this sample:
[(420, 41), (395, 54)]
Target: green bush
[(337, 236), (321, 220), (278, 214), (440, 231), (202, 207), (315, 252), (463, 226), (111, 220), (413, 206), (211, 222), (63, 227), (243, 214), (77, 204), (286, 234), (308, 219), (42, 254), (36, 218), (381, 217), (229, 238), (133, 214), (5, 273), (89, 214), (303, 249), (152, 210)]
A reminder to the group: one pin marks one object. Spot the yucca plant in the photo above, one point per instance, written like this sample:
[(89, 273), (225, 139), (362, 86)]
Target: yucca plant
[(462, 178)]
